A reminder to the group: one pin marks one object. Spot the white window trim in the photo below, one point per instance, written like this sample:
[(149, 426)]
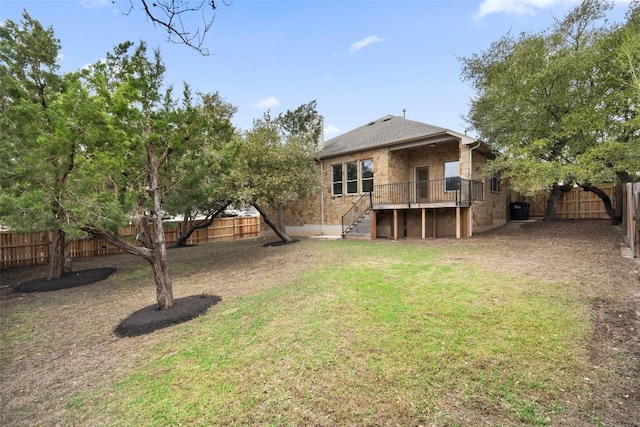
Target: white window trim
[(362, 179), (347, 180), (335, 182), (444, 167)]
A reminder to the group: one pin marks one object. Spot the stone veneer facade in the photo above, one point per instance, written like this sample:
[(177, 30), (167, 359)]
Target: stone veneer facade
[(321, 213)]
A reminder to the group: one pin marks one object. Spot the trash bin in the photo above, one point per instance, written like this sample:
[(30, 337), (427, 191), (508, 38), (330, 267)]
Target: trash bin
[(519, 211)]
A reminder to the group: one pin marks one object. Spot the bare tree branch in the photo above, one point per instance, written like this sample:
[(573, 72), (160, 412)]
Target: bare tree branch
[(173, 16)]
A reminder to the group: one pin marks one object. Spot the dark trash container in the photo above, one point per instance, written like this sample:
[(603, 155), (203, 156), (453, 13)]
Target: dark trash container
[(519, 211)]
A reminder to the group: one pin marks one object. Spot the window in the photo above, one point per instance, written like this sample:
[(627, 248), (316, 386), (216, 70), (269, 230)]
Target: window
[(336, 180), (451, 176), (495, 184), (352, 177), (366, 175)]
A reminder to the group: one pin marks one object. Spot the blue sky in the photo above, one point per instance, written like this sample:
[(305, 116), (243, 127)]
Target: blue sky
[(360, 60)]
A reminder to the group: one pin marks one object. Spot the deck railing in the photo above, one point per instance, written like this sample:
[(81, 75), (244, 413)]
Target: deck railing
[(454, 190)]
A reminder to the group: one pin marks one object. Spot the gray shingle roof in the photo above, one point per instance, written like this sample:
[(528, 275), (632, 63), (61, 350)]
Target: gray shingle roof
[(388, 130)]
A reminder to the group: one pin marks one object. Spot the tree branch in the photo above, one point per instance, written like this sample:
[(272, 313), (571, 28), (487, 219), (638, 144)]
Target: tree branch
[(168, 14), (270, 223), (118, 242), (191, 228)]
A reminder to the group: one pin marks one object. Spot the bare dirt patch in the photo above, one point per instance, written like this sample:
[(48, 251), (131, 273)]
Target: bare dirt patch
[(56, 345)]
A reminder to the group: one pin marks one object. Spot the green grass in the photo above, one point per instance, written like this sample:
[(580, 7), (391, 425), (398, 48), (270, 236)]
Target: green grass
[(372, 333)]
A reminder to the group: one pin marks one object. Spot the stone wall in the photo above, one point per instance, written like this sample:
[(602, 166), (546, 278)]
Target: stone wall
[(394, 167)]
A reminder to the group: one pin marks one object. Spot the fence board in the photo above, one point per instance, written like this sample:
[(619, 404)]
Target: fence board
[(574, 204), (631, 217), (17, 250)]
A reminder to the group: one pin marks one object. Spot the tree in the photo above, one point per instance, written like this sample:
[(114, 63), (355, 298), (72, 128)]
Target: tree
[(629, 51), (47, 121), (197, 184), (276, 162), (554, 106), (145, 169), (175, 17), (130, 165), (87, 152)]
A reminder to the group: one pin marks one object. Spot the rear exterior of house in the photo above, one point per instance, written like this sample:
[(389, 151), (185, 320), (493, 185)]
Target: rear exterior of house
[(398, 178)]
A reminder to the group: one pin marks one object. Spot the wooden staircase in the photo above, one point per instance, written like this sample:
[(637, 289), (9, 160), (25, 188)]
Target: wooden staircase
[(362, 228)]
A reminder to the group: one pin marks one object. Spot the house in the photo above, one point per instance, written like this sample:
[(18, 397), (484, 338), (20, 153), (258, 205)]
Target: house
[(398, 178)]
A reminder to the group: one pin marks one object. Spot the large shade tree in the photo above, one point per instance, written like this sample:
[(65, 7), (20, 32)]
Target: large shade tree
[(557, 106), (276, 162), (88, 152), (629, 52), (197, 183), (48, 121), (129, 181), (159, 146)]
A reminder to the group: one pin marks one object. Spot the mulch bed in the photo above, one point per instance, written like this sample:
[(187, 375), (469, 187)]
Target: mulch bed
[(150, 318), (143, 321), (69, 280), (280, 243)]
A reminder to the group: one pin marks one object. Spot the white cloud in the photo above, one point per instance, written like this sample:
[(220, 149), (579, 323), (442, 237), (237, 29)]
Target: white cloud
[(331, 130), (364, 43), (91, 4), (266, 103)]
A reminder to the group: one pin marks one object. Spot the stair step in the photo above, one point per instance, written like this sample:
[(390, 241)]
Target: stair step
[(361, 228)]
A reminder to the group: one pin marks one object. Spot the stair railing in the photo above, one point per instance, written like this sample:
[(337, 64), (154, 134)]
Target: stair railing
[(356, 211)]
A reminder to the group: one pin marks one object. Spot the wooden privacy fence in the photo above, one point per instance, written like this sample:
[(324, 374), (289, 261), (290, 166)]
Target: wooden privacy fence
[(18, 250), (631, 217), (574, 204)]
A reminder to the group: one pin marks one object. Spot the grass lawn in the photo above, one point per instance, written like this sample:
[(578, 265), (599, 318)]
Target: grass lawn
[(368, 333)]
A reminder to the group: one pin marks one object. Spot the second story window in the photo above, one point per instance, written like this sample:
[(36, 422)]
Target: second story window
[(352, 177), (452, 176), (366, 172)]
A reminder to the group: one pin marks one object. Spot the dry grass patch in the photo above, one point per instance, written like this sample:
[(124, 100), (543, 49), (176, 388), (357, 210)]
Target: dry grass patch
[(472, 332)]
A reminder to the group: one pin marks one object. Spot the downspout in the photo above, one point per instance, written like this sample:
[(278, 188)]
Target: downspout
[(321, 147), (321, 198), (471, 182)]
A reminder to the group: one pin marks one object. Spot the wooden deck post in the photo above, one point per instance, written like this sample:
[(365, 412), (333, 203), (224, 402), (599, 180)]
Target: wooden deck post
[(395, 224), (424, 223), (458, 223), (374, 228), (435, 224)]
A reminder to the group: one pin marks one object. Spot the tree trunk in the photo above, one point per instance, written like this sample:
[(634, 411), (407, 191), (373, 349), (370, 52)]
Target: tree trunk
[(552, 201), (274, 227), (68, 262), (189, 227), (618, 212), (158, 246), (158, 261), (56, 255), (280, 217), (605, 200)]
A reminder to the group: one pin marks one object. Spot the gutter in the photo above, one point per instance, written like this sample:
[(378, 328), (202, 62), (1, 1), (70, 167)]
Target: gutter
[(321, 198)]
